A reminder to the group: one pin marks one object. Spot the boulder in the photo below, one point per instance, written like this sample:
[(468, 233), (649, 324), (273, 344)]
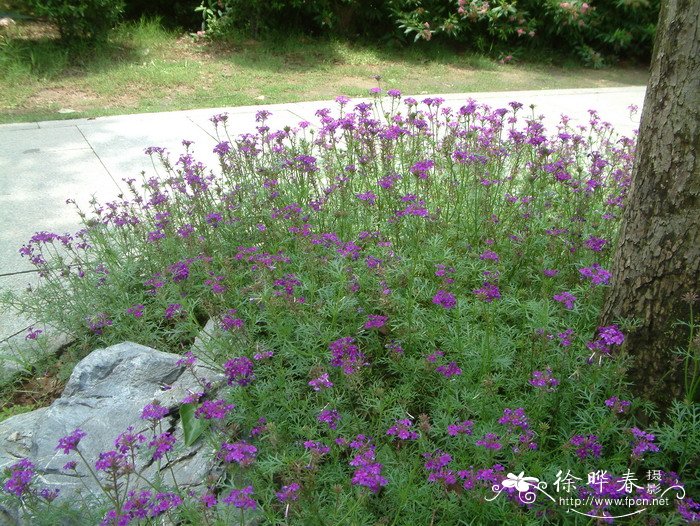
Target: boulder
[(104, 395)]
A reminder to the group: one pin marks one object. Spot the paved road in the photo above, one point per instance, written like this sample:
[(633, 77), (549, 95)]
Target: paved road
[(44, 163)]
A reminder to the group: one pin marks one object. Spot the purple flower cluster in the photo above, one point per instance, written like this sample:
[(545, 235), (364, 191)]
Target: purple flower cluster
[(241, 498), (643, 443), (214, 410), (444, 299), (369, 471), (70, 442), (239, 371), (461, 428), (586, 446), (240, 452), (596, 274), (487, 292), (322, 382), (565, 298), (544, 380), (436, 465), (402, 430), (20, 479), (346, 355), (330, 417)]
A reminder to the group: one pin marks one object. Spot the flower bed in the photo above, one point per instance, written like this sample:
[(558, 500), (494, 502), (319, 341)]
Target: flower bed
[(404, 301)]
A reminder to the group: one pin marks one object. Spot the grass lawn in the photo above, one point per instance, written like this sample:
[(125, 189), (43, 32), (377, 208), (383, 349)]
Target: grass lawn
[(144, 68)]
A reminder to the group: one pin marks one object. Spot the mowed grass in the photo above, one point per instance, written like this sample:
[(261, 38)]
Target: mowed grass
[(145, 68)]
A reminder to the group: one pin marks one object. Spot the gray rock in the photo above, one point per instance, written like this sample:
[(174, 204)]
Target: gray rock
[(105, 395)]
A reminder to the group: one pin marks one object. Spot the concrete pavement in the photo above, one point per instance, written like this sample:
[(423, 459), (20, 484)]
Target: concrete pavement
[(42, 164)]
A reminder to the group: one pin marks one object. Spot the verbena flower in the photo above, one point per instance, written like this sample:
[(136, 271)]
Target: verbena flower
[(487, 292), (20, 479), (402, 430), (330, 417), (444, 299), (617, 405), (449, 370), (346, 355), (214, 410), (643, 443), (596, 274), (565, 298), (241, 498), (162, 444), (461, 428), (154, 412), (490, 441), (375, 321), (544, 380), (240, 452), (289, 492), (239, 371), (70, 442), (322, 382), (586, 446)]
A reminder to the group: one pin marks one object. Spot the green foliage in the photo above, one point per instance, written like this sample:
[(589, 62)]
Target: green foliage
[(400, 263), (81, 19)]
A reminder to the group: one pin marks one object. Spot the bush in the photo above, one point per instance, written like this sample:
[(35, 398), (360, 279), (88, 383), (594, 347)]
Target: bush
[(80, 19), (404, 305), (591, 29)]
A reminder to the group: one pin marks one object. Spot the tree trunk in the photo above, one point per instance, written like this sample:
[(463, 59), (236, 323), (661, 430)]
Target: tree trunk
[(657, 258)]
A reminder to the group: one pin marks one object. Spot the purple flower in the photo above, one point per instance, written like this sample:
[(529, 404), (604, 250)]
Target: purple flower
[(375, 321), (113, 462), (214, 410), (596, 274), (162, 443), (514, 419), (135, 310), (489, 255), (444, 299), (436, 460), (565, 337), (490, 441), (643, 442), (322, 382), (346, 355), (70, 442), (565, 298), (550, 272), (449, 370), (402, 430), (330, 417), (394, 93), (617, 405), (488, 292), (463, 428), (70, 465), (369, 471), (586, 446), (421, 168), (240, 452), (172, 309), (32, 333), (239, 371), (595, 243), (128, 441), (21, 474), (289, 493), (544, 380), (154, 412), (230, 321), (179, 271), (316, 447), (241, 498), (368, 197), (611, 335), (689, 510)]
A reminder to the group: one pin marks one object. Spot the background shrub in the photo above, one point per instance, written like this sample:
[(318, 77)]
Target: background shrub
[(81, 19)]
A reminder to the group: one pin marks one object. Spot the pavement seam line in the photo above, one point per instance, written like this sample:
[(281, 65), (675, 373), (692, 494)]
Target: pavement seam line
[(98, 158)]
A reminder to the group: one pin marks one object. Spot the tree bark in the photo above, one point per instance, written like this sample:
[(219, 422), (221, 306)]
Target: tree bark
[(657, 258)]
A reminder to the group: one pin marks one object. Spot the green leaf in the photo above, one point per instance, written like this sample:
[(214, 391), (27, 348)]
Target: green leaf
[(191, 426)]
